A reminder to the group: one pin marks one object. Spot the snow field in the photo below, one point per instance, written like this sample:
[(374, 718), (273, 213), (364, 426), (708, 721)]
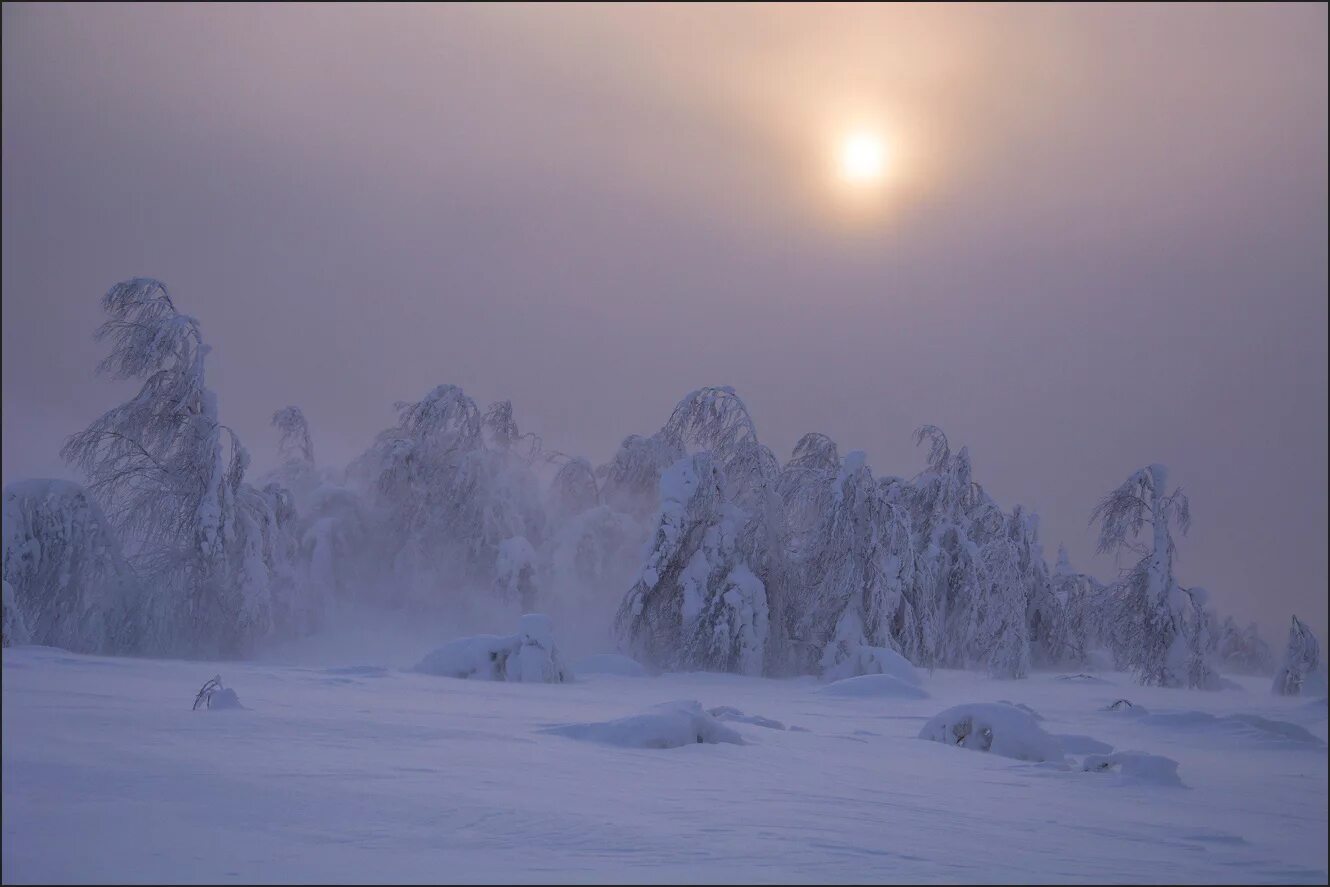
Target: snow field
[(361, 773)]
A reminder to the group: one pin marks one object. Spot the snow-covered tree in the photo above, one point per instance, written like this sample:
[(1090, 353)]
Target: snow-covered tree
[(630, 481), (336, 546), (1243, 651), (170, 477), (1157, 623), (448, 485), (71, 585), (15, 630), (1301, 659), (1083, 600), (296, 470), (852, 559), (696, 605), (515, 578)]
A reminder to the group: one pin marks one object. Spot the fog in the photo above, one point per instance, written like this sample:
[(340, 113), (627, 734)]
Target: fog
[(1102, 244)]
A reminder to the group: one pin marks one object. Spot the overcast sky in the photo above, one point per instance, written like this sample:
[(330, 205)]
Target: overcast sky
[(1101, 242)]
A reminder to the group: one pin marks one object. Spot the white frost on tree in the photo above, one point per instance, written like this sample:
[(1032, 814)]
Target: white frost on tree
[(71, 585), (1243, 651), (1159, 626), (696, 605), (15, 630), (296, 469), (171, 478), (1301, 660)]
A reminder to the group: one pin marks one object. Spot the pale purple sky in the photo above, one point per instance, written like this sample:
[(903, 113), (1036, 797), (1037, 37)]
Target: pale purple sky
[(1104, 243)]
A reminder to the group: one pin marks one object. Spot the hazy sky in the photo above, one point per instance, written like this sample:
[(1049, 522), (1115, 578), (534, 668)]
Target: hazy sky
[(1102, 242)]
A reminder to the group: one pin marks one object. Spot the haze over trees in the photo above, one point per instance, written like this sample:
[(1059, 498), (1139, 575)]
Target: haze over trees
[(693, 547)]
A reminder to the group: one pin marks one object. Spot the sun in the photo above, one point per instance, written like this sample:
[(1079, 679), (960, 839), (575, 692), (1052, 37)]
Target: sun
[(862, 158)]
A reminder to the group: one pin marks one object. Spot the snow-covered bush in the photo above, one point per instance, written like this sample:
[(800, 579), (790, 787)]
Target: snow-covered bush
[(529, 656), (212, 695), (66, 581), (1297, 675), (993, 727), (670, 725)]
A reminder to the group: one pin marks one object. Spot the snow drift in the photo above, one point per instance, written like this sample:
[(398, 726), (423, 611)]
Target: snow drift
[(530, 656), (669, 725), (874, 685), (993, 727)]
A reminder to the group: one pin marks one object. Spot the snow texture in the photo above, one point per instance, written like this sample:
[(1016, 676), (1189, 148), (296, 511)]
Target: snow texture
[(998, 728), (342, 771), (671, 725), (529, 656), (612, 664), (874, 685)]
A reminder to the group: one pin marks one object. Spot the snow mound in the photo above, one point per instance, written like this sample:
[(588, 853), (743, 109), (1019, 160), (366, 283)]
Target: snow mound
[(728, 713), (611, 663), (866, 660), (223, 699), (671, 725), (1136, 767), (1241, 726), (530, 656), (1126, 707), (361, 671), (1079, 744), (213, 696), (993, 727), (874, 685), (1023, 707)]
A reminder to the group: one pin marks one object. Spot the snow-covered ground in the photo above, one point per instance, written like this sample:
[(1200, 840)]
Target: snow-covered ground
[(365, 772)]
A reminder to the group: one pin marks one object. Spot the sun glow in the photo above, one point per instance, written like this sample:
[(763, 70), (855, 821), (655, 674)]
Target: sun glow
[(862, 158)]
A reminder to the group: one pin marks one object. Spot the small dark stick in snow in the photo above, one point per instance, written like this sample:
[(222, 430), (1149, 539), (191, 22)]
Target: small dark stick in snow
[(205, 692)]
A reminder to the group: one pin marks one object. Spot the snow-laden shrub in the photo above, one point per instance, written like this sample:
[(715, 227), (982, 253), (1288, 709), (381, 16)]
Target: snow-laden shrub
[(212, 695), (1135, 766), (993, 727), (866, 660), (529, 656), (874, 685), (670, 725)]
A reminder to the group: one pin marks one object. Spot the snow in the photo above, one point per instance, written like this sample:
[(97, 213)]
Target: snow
[(866, 660), (610, 663), (361, 773), (529, 656), (870, 685), (996, 727), (1136, 767), (672, 725)]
